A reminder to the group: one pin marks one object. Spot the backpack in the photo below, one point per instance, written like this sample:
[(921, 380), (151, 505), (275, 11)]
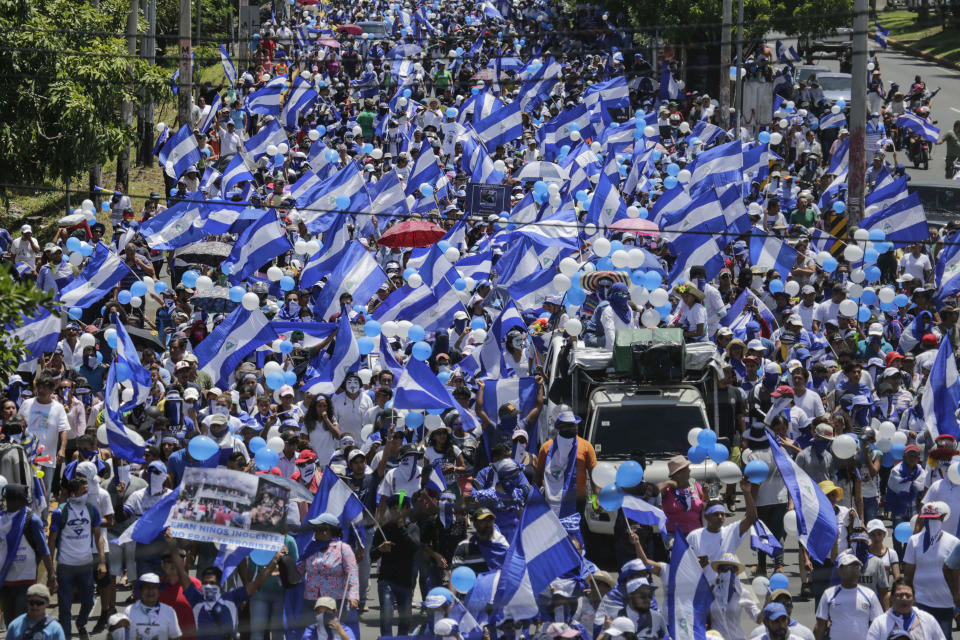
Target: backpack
[(15, 466)]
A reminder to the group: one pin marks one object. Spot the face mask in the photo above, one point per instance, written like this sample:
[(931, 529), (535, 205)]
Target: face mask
[(307, 471), (353, 386), (459, 325), (219, 408), (323, 619), (408, 466), (87, 455), (770, 380), (293, 307), (89, 361), (211, 593), (516, 343), (443, 368), (77, 502), (934, 527), (155, 482)]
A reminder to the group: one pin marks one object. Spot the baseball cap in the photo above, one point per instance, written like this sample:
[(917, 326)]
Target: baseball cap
[(876, 329), (876, 525), (755, 345), (26, 229), (774, 611), (116, 619), (285, 390), (325, 518), (639, 583), (327, 602), (771, 369), (191, 393), (782, 391), (559, 630), (824, 431), (305, 456), (890, 372), (183, 364), (795, 319), (933, 510), (807, 289), (482, 513), (847, 559), (149, 578), (568, 416), (620, 626), (911, 448), (218, 418), (929, 340)]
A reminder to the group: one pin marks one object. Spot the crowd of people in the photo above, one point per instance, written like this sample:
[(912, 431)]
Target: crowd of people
[(368, 245)]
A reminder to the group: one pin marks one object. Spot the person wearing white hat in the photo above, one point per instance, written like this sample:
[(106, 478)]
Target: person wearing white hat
[(25, 249), (925, 555), (118, 627), (150, 618), (447, 628), (846, 610)]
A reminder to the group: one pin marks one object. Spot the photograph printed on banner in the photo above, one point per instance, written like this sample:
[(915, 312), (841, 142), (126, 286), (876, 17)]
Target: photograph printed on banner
[(231, 499)]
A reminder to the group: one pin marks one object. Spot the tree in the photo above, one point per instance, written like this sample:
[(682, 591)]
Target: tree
[(18, 300), (811, 17), (64, 72), (693, 22)]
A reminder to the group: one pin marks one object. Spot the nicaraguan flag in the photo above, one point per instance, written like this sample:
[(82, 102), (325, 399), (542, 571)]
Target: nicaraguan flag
[(502, 126), (347, 182), (736, 320), (151, 524), (237, 171), (902, 222), (125, 444), (947, 271), (642, 512), (104, 271), (221, 352), (334, 369), (919, 126), (689, 595), (180, 151), (162, 138), (558, 230), (771, 252), (210, 115), (704, 213), (529, 293), (697, 247), (357, 273), (260, 243), (816, 520), (176, 227), (11, 541), (880, 35), (612, 94), (520, 392), (425, 169), (335, 497), (553, 135), (786, 54), (269, 134), (126, 353), (323, 262), (669, 89), (387, 196), (229, 69), (435, 480), (942, 394), (832, 120), (717, 167), (606, 206), (884, 196), (761, 539), (266, 101), (419, 388), (540, 552), (301, 98), (39, 334)]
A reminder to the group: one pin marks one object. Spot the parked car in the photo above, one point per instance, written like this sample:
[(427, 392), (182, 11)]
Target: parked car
[(836, 43)]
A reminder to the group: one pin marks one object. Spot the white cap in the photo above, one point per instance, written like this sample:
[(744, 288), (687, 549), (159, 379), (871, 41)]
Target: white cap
[(847, 558), (875, 329), (771, 369), (149, 578), (755, 345), (876, 525), (26, 229), (116, 619), (795, 319)]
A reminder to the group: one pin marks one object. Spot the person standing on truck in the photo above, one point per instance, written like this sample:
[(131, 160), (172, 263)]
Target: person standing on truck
[(692, 315), (565, 466), (612, 314)]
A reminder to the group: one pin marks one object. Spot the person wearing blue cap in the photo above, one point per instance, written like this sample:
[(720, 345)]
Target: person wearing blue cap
[(776, 621)]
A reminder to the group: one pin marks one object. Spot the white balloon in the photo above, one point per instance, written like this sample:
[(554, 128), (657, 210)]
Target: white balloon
[(432, 422), (401, 101), (403, 328), (659, 297), (953, 473), (638, 295), (776, 138), (884, 445), (900, 437), (204, 283), (75, 258), (861, 235), (792, 288), (885, 430), (275, 345), (886, 295), (650, 318), (377, 153), (478, 335), (728, 472), (823, 255), (250, 301), (871, 66), (136, 301), (553, 189), (274, 274), (857, 276), (636, 258), (312, 247), (693, 436), (790, 523), (760, 586), (595, 147), (835, 109), (365, 374), (568, 266), (161, 126), (272, 150), (590, 229), (555, 201), (561, 282), (500, 166), (601, 247), (684, 175), (471, 283), (411, 200), (784, 123), (575, 136), (684, 127), (844, 446), (282, 148), (649, 131), (86, 205), (389, 329), (357, 131), (300, 246), (633, 212), (272, 367), (855, 291), (313, 134), (848, 308), (452, 254), (589, 267), (620, 259), (573, 327), (276, 443), (415, 280), (86, 340)]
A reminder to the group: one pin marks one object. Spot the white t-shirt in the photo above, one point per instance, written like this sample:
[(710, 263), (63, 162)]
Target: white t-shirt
[(75, 540), (810, 402), (826, 310), (152, 623), (350, 412), (945, 491), (690, 317), (431, 454), (924, 626), (915, 266), (930, 587), (714, 545), (849, 611), (45, 422)]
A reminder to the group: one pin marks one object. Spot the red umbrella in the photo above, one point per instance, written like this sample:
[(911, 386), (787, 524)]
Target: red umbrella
[(638, 226), (411, 233), (328, 42), (352, 29)]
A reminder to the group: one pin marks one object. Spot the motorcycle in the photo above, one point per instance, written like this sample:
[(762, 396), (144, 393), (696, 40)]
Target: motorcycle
[(918, 150)]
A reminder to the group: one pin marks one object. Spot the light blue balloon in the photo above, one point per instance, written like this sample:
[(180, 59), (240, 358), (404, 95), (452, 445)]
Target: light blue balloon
[(670, 182), (651, 280), (443, 376), (160, 287), (260, 556), (901, 300), (665, 310), (576, 296), (776, 286), (868, 296), (636, 277), (779, 581), (332, 156), (478, 323), (459, 284), (764, 137), (286, 346), (706, 439), (73, 244), (629, 474), (451, 113), (696, 454), (290, 377), (839, 206), (266, 459), (421, 351), (830, 264), (870, 256), (365, 345), (462, 579), (138, 288), (257, 443), (124, 297), (75, 312), (673, 169), (202, 448), (605, 264), (719, 453), (236, 294), (275, 380), (610, 498), (413, 419), (86, 249), (321, 130), (367, 148), (371, 329), (877, 235), (426, 190), (189, 278), (287, 283), (902, 532), (756, 471), (416, 333), (873, 273), (112, 340)]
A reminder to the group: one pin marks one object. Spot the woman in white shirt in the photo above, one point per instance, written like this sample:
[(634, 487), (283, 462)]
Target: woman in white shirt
[(693, 315), (516, 352)]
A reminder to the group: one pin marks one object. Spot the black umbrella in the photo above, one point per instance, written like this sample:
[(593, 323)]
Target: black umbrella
[(142, 339), (215, 300), (198, 255)]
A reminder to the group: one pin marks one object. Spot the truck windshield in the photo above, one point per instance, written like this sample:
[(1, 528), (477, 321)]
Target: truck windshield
[(652, 429), (835, 83)]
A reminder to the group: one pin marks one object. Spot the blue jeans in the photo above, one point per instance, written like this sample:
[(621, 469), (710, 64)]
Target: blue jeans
[(870, 508), (391, 593), (67, 578), (266, 614)]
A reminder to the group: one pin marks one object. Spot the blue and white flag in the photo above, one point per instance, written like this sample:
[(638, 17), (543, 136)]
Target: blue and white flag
[(266, 101), (348, 182), (612, 94), (920, 126), (148, 527), (902, 222), (180, 151), (669, 89), (301, 98), (335, 497), (947, 271), (761, 539), (39, 334), (210, 115), (883, 196), (323, 262), (529, 293), (540, 552), (162, 138), (640, 511), (941, 397), (269, 134), (11, 540), (717, 167), (357, 273), (127, 360), (242, 332), (125, 444), (237, 171), (880, 35), (820, 240), (816, 520), (260, 243), (737, 319), (387, 196), (520, 392), (786, 54), (229, 69), (175, 227), (502, 126), (435, 480), (558, 230), (538, 86), (104, 271), (488, 358), (704, 213), (556, 133), (419, 388), (832, 120), (689, 595), (425, 169), (770, 252), (696, 247), (606, 206), (334, 369)]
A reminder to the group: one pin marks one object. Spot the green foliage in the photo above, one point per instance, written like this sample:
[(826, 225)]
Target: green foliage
[(813, 17), (690, 21), (16, 298), (61, 87)]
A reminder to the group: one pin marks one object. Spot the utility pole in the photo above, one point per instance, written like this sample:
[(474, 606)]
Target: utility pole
[(243, 37), (126, 109), (858, 117), (185, 92), (738, 95), (149, 51), (199, 6), (725, 29)]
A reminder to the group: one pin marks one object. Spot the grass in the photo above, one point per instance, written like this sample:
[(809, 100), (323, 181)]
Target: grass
[(928, 35)]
